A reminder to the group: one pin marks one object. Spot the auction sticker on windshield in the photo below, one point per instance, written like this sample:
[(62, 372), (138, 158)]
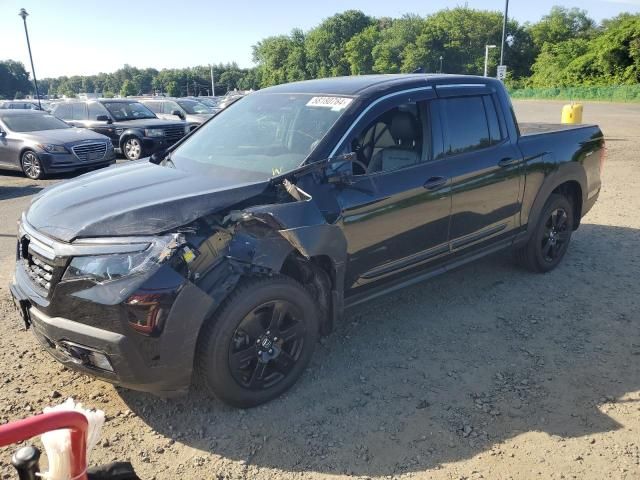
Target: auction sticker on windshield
[(334, 103)]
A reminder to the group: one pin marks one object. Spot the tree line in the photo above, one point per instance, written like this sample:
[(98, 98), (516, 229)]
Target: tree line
[(565, 48)]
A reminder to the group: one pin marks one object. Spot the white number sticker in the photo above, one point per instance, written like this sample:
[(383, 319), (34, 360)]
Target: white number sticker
[(334, 103)]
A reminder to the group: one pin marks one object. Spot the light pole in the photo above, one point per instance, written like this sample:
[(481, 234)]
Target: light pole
[(213, 87), (504, 31), (23, 13), (486, 57), (441, 57)]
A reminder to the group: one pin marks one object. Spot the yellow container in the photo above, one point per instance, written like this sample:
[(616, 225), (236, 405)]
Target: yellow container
[(572, 113)]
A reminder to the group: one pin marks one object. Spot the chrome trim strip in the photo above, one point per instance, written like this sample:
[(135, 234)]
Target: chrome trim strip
[(50, 248), (371, 105), (456, 85)]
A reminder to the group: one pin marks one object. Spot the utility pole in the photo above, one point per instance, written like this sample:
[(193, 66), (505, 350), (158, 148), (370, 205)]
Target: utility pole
[(504, 31), (23, 13), (213, 87)]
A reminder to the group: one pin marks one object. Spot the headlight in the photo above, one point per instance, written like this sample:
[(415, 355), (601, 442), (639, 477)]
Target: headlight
[(153, 132), (51, 148), (106, 268)]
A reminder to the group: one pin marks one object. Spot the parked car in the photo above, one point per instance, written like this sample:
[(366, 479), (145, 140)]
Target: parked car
[(227, 256), (40, 144), (191, 111), (211, 102), (134, 130), (23, 105)]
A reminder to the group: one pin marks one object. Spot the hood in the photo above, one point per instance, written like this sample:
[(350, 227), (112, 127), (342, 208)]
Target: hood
[(138, 198), (148, 123), (64, 135)]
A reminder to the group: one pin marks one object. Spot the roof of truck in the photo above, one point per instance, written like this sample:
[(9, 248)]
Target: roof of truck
[(363, 84)]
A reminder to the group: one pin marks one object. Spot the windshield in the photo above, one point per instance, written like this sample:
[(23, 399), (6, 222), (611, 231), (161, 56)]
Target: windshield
[(128, 110), (191, 107), (261, 136), (32, 123)]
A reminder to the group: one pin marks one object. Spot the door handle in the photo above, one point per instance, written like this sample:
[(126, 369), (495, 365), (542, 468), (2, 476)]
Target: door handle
[(508, 161), (435, 183)]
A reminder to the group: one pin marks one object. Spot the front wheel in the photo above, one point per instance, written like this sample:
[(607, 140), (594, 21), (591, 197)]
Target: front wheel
[(132, 148), (550, 239), (259, 343), (31, 165)]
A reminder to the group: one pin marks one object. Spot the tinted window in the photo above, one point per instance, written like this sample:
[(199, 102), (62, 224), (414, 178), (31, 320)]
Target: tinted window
[(33, 123), (79, 111), (121, 111), (63, 111), (492, 119), (96, 109), (465, 124)]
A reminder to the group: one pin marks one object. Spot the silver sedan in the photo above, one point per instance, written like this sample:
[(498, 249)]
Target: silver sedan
[(39, 144)]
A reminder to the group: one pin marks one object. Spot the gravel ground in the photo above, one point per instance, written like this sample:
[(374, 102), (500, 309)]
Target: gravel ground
[(486, 372)]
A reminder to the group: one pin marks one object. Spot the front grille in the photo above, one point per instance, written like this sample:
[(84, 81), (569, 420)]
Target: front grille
[(173, 134), (40, 272), (44, 273), (88, 152)]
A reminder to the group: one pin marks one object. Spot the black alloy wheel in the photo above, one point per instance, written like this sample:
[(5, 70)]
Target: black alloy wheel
[(267, 344), (259, 342)]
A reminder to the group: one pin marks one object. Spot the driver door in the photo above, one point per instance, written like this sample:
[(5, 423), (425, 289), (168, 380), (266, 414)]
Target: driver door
[(395, 215)]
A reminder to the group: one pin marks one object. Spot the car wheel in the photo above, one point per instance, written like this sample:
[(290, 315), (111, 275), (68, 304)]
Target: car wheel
[(259, 342), (31, 165), (550, 240), (132, 148)]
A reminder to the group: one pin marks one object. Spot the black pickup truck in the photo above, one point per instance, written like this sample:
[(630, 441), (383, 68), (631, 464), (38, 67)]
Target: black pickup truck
[(224, 258)]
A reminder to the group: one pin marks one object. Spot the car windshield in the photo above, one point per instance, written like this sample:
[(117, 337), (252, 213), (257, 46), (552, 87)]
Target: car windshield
[(261, 136), (128, 110), (32, 123), (191, 107)]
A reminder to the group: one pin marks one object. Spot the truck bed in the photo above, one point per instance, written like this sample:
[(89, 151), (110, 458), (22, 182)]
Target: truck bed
[(536, 128)]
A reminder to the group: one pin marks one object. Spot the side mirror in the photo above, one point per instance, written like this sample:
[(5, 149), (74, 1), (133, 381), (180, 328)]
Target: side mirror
[(3, 133), (178, 113), (103, 118), (158, 156)]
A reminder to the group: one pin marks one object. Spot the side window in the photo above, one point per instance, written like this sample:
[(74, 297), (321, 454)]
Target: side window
[(63, 111), (155, 107), (96, 109), (492, 118), (171, 106), (465, 124), (392, 141), (79, 111)]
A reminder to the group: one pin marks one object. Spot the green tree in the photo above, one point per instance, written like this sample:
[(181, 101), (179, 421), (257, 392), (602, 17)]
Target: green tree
[(358, 51), (172, 89), (13, 78), (562, 24), (128, 89)]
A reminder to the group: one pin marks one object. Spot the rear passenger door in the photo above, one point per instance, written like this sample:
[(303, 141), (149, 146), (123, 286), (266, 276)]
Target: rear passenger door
[(485, 167)]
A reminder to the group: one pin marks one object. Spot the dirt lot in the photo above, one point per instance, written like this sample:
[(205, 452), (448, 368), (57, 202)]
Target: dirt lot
[(487, 372)]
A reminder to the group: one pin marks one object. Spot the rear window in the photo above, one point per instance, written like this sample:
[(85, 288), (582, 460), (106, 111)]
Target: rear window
[(62, 111)]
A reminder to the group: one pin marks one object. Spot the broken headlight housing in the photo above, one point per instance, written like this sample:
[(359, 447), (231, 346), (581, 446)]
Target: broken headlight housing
[(106, 268)]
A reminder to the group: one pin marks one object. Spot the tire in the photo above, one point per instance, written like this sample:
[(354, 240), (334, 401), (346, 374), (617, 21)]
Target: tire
[(31, 165), (550, 239), (132, 148), (259, 342)]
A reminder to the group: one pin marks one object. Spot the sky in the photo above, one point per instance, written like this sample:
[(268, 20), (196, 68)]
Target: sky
[(89, 36)]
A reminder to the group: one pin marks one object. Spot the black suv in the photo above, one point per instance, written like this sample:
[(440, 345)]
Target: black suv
[(133, 128)]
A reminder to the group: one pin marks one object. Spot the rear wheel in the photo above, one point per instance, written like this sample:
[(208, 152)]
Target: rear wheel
[(31, 165), (550, 240), (259, 343), (132, 148)]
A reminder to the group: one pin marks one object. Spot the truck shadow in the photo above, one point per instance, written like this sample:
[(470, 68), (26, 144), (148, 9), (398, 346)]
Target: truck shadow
[(444, 370)]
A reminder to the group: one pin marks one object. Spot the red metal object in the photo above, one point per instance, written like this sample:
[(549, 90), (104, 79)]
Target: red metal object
[(76, 422)]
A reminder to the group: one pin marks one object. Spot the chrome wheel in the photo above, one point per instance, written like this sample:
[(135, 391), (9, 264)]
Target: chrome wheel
[(31, 165), (133, 149)]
